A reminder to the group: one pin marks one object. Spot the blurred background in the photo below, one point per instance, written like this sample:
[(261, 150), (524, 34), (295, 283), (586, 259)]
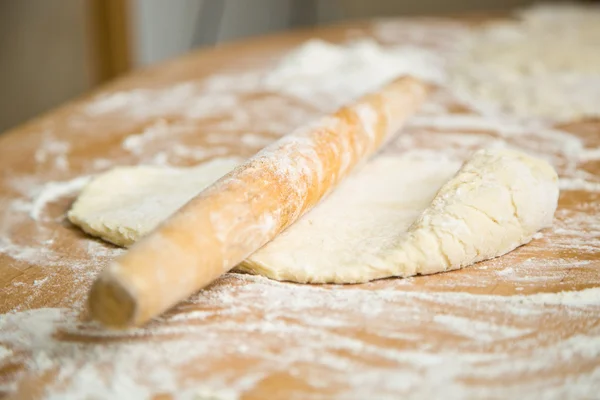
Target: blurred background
[(54, 50)]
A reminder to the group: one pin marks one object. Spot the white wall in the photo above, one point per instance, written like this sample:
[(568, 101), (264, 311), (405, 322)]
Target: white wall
[(369, 8), (255, 17), (164, 29)]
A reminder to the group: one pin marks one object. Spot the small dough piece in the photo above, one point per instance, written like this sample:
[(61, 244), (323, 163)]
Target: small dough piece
[(398, 216), (125, 203)]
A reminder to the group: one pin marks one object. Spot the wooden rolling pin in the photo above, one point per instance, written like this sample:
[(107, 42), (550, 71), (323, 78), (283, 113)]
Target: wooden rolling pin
[(247, 208)]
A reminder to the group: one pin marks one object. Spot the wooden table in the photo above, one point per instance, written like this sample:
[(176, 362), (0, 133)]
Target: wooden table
[(494, 330)]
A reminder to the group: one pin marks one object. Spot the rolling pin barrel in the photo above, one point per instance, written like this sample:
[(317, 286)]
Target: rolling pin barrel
[(247, 208)]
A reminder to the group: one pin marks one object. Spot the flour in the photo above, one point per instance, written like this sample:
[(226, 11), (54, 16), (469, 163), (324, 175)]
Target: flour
[(323, 85), (5, 353), (39, 282), (136, 143), (197, 154), (579, 184), (510, 65), (144, 102), (52, 191), (419, 336), (590, 154), (255, 141), (312, 324), (54, 152), (364, 63)]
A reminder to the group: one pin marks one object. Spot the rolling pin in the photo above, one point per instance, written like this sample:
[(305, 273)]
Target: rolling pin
[(248, 207)]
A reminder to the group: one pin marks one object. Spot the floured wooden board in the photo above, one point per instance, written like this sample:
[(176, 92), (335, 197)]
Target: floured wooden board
[(523, 325)]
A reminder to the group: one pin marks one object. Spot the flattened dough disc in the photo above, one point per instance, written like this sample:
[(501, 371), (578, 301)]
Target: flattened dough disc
[(383, 221)]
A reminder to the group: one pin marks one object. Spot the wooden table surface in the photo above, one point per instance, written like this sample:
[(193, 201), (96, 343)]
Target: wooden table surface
[(493, 330)]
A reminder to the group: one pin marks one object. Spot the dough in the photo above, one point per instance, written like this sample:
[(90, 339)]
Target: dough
[(398, 216), (125, 203)]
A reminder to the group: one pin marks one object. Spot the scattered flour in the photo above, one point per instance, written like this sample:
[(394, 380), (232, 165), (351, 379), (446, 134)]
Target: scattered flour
[(579, 184), (136, 143), (318, 325), (52, 191), (364, 63), (512, 65), (54, 152)]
